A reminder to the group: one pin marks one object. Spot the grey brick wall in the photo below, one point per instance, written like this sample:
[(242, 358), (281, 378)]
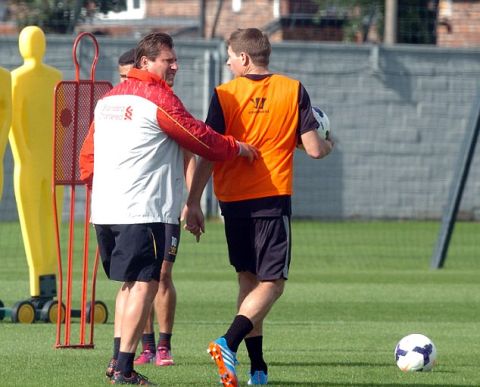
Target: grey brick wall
[(399, 117)]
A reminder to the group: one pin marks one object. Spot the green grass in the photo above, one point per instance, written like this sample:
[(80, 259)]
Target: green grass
[(354, 290)]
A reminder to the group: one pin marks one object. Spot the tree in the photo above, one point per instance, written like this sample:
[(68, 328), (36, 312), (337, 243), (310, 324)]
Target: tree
[(60, 16), (360, 16), (416, 19)]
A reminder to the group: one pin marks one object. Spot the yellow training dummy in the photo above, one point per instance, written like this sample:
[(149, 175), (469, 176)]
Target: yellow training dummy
[(31, 140), (5, 117)]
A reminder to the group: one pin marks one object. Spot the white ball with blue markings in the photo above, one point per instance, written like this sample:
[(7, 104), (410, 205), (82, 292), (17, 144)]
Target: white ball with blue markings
[(323, 122), (415, 352)]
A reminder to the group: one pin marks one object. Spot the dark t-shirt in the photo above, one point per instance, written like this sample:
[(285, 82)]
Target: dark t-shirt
[(273, 205)]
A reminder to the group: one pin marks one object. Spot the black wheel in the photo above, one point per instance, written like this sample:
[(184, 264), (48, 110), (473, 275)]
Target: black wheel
[(23, 312), (2, 311), (49, 312), (101, 312)]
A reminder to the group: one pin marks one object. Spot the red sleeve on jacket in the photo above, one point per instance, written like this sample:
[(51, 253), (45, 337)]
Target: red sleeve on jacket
[(86, 157), (193, 134)]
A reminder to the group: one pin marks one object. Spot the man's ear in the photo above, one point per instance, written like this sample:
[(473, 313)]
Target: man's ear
[(245, 58), (143, 62)]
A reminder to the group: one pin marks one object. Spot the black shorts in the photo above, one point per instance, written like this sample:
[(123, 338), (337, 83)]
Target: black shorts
[(261, 246), (172, 241), (128, 251)]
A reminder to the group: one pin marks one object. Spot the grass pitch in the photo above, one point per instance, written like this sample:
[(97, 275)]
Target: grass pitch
[(354, 290)]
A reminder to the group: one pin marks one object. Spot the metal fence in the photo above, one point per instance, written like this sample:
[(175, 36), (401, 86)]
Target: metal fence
[(398, 115)]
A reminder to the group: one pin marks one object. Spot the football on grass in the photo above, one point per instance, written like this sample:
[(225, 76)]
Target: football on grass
[(323, 122), (415, 352)]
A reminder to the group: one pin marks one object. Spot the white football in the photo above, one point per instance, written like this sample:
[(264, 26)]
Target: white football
[(323, 122), (415, 352)]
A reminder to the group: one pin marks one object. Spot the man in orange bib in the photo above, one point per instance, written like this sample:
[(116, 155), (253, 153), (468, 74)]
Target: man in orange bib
[(273, 113)]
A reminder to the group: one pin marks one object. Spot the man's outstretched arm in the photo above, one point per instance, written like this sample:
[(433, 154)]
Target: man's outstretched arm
[(194, 219)]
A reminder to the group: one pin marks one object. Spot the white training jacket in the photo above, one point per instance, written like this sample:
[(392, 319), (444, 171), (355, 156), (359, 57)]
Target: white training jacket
[(133, 152)]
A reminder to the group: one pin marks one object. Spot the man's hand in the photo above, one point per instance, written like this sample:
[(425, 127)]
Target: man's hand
[(194, 219), (248, 151)]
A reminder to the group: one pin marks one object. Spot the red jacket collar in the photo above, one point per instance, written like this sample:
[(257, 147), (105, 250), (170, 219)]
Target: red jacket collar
[(145, 76)]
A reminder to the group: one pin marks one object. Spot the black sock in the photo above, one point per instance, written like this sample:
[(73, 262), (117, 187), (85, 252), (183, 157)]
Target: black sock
[(240, 327), (125, 363), (164, 340), (255, 353), (116, 347), (148, 342)]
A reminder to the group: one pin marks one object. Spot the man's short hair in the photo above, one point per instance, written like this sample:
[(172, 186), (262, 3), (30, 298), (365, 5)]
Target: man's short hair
[(253, 42), (127, 58), (151, 45)]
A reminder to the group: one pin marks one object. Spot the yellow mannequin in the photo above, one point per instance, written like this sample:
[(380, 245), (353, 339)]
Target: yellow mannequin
[(31, 140), (5, 117)]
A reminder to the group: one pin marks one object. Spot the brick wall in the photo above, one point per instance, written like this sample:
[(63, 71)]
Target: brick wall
[(459, 24), (458, 21), (162, 8), (252, 14)]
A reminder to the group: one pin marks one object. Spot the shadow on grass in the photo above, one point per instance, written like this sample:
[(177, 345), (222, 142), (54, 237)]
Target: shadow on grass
[(328, 364), (350, 364), (339, 364), (291, 383)]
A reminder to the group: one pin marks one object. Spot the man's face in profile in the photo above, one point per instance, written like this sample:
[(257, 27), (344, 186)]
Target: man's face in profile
[(123, 70)]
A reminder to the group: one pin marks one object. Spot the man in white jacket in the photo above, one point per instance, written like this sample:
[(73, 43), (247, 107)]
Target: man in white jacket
[(132, 156)]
